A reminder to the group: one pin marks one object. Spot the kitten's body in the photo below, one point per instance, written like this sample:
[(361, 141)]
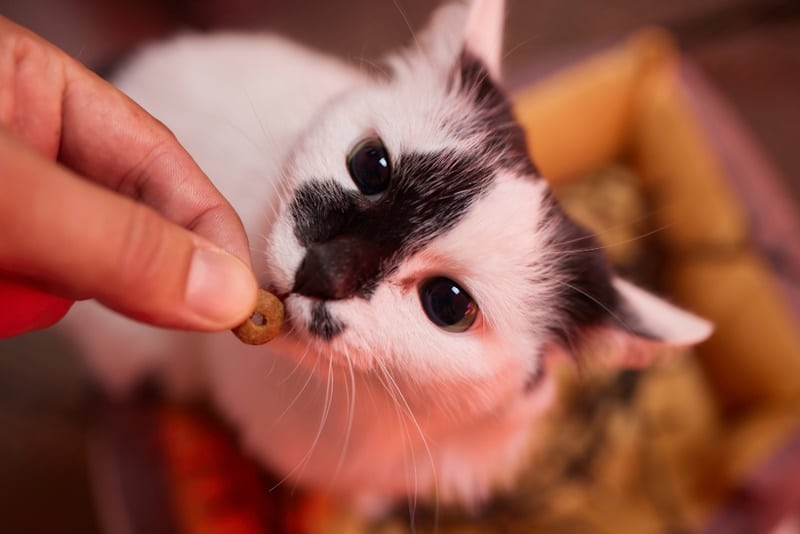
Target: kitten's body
[(364, 395)]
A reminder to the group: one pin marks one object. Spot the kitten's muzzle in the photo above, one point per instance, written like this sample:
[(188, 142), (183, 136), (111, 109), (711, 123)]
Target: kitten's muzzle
[(341, 268)]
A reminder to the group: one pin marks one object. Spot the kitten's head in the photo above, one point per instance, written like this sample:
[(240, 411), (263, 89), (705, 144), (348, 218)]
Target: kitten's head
[(417, 235)]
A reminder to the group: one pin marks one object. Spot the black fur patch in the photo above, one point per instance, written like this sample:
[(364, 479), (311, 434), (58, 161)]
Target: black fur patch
[(535, 378), (586, 296), (322, 210), (322, 324), (429, 192), (493, 116), (428, 195)]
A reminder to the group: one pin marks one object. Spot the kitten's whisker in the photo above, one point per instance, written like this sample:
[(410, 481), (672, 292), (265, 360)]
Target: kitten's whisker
[(377, 67), (616, 317), (280, 192), (275, 185), (257, 116), (299, 363), (402, 12), (259, 149), (350, 392), (408, 449), (617, 243), (303, 388), (524, 42), (235, 128), (272, 367), (420, 432), (303, 463)]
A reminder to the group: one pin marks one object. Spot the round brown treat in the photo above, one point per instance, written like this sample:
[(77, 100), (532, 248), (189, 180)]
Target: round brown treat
[(265, 323)]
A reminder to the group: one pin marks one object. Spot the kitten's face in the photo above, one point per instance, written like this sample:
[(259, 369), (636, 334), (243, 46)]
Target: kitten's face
[(415, 236), (411, 230)]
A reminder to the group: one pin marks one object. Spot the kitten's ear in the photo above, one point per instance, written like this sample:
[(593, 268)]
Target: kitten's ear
[(610, 318), (646, 323), (483, 37), (474, 27)]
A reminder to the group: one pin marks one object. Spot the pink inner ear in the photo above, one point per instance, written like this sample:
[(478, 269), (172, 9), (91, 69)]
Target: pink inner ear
[(484, 33), (664, 321)]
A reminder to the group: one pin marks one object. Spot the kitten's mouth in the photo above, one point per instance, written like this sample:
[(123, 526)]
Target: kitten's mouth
[(312, 316)]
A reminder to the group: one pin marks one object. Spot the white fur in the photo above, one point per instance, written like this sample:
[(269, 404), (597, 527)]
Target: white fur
[(394, 407), (664, 320)]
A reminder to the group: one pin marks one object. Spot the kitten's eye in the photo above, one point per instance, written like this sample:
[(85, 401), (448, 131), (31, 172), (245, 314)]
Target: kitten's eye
[(447, 305), (368, 164)]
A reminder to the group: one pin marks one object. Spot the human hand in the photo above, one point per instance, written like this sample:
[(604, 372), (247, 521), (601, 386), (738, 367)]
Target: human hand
[(99, 200)]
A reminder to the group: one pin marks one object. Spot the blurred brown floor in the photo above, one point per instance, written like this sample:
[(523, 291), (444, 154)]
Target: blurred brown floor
[(749, 48)]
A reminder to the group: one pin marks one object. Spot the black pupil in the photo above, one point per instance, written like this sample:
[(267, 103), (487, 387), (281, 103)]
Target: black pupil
[(369, 167), (446, 303)]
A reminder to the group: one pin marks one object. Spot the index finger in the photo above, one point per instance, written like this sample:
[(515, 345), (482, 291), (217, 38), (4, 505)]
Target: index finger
[(107, 137), (103, 135)]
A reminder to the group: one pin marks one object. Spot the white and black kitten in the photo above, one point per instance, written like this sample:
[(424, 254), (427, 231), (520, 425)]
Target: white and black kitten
[(427, 271)]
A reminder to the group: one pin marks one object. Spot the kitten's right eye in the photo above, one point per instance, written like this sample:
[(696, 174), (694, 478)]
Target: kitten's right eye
[(368, 164)]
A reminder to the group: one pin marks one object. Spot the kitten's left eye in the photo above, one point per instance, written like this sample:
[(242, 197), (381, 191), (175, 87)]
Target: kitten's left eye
[(368, 164), (447, 305)]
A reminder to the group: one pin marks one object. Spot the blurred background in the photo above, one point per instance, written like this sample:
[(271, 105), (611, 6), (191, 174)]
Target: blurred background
[(749, 49)]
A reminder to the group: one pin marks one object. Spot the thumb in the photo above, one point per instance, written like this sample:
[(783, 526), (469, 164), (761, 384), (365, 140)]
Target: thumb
[(79, 240)]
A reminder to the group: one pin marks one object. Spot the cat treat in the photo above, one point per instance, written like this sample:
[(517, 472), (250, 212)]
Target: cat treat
[(265, 322)]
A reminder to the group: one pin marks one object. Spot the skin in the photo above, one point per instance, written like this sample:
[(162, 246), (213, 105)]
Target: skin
[(99, 200)]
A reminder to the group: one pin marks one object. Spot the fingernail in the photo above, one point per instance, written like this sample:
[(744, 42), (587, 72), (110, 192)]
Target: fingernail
[(221, 290)]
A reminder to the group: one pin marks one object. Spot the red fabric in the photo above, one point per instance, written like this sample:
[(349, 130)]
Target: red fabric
[(23, 309)]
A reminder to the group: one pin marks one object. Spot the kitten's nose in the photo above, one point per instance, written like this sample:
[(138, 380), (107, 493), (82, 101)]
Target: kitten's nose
[(337, 269)]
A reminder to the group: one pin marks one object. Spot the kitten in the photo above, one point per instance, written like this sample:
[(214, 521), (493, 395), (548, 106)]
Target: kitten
[(427, 271)]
